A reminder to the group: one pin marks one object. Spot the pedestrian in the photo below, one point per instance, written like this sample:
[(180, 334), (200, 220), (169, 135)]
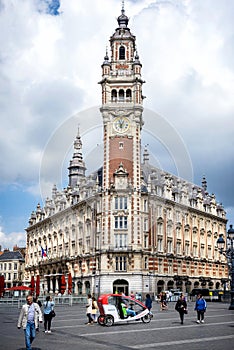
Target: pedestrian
[(94, 309), (181, 307), (163, 301), (36, 300), (48, 308), (29, 318), (200, 307), (148, 302), (89, 310)]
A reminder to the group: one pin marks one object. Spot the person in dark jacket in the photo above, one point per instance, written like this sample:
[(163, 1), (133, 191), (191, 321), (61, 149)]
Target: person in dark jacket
[(181, 307), (148, 302), (200, 307)]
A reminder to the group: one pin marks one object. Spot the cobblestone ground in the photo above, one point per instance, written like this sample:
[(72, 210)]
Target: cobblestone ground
[(69, 331)]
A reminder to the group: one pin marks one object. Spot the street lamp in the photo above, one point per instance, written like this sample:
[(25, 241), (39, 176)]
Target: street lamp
[(229, 253)]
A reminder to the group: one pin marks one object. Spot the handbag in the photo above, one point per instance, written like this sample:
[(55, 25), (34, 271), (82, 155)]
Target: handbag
[(185, 311), (52, 313)]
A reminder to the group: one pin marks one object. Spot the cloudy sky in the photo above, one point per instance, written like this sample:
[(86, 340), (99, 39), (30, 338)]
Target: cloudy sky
[(50, 58)]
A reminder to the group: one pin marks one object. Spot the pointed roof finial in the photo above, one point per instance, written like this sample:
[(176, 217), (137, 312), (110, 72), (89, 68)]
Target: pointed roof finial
[(123, 19), (123, 7), (146, 154), (204, 183), (106, 58)]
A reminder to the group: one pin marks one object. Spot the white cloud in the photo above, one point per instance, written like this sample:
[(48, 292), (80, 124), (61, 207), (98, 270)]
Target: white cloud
[(50, 66), (12, 239)]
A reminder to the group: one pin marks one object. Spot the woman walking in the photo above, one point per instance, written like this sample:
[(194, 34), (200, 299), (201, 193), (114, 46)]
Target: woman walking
[(181, 307), (94, 309), (200, 307), (48, 307), (89, 310)]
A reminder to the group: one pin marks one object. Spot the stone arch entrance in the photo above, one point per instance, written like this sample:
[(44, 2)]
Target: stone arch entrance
[(170, 285), (160, 286), (87, 287), (121, 286)]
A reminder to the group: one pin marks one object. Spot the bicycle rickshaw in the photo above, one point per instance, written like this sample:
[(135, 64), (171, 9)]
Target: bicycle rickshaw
[(112, 310)]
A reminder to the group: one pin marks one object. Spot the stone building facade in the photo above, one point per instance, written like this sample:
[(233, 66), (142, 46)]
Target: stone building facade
[(12, 267), (129, 226)]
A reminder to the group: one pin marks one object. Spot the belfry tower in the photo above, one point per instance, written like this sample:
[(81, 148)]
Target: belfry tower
[(122, 123)]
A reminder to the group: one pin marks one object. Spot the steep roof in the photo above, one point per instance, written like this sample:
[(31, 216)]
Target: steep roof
[(15, 255)]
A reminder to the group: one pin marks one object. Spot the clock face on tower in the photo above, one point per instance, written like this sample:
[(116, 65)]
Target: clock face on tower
[(121, 124)]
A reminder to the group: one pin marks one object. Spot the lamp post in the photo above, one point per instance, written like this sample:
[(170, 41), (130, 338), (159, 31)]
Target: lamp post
[(229, 253)]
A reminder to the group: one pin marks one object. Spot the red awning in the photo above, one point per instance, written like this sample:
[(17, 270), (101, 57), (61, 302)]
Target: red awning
[(69, 283), (38, 286), (63, 284), (32, 284), (19, 288)]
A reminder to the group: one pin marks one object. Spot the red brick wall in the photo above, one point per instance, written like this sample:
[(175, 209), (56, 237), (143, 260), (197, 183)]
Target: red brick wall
[(119, 155)]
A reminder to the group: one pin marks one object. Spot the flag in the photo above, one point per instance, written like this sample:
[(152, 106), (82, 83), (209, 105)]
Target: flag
[(43, 252)]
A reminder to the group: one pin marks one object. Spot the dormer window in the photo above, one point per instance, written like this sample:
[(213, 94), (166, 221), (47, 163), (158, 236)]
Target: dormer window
[(122, 53)]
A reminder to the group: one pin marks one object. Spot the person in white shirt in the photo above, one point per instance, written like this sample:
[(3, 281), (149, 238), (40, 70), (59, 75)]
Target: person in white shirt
[(29, 318)]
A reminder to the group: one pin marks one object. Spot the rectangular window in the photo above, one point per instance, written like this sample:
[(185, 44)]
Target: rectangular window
[(178, 248), (146, 241), (169, 246), (120, 263), (145, 224), (187, 249), (160, 229), (15, 276), (146, 262), (121, 203), (160, 248), (120, 241), (169, 231), (121, 222), (178, 232), (15, 266)]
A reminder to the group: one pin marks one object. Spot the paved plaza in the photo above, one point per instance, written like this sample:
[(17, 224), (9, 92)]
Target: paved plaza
[(69, 331)]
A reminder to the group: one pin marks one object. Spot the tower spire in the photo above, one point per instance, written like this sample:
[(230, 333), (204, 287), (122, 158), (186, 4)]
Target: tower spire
[(77, 165), (123, 19), (123, 7)]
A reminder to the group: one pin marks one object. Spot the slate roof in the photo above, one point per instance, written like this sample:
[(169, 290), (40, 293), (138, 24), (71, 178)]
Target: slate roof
[(15, 255)]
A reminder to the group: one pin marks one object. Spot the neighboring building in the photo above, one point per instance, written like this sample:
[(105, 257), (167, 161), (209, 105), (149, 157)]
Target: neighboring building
[(129, 226), (12, 268)]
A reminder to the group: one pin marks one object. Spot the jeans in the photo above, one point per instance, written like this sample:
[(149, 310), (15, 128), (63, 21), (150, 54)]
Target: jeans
[(131, 312), (30, 334)]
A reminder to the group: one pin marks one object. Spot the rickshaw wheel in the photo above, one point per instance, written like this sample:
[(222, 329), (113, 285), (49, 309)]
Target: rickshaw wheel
[(101, 320), (146, 318), (109, 321)]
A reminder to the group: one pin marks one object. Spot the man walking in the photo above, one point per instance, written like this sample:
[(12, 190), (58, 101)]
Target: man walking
[(29, 318)]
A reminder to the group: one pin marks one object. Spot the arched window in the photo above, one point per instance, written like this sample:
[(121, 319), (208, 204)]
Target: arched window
[(121, 95), (122, 53), (129, 95), (113, 95)]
